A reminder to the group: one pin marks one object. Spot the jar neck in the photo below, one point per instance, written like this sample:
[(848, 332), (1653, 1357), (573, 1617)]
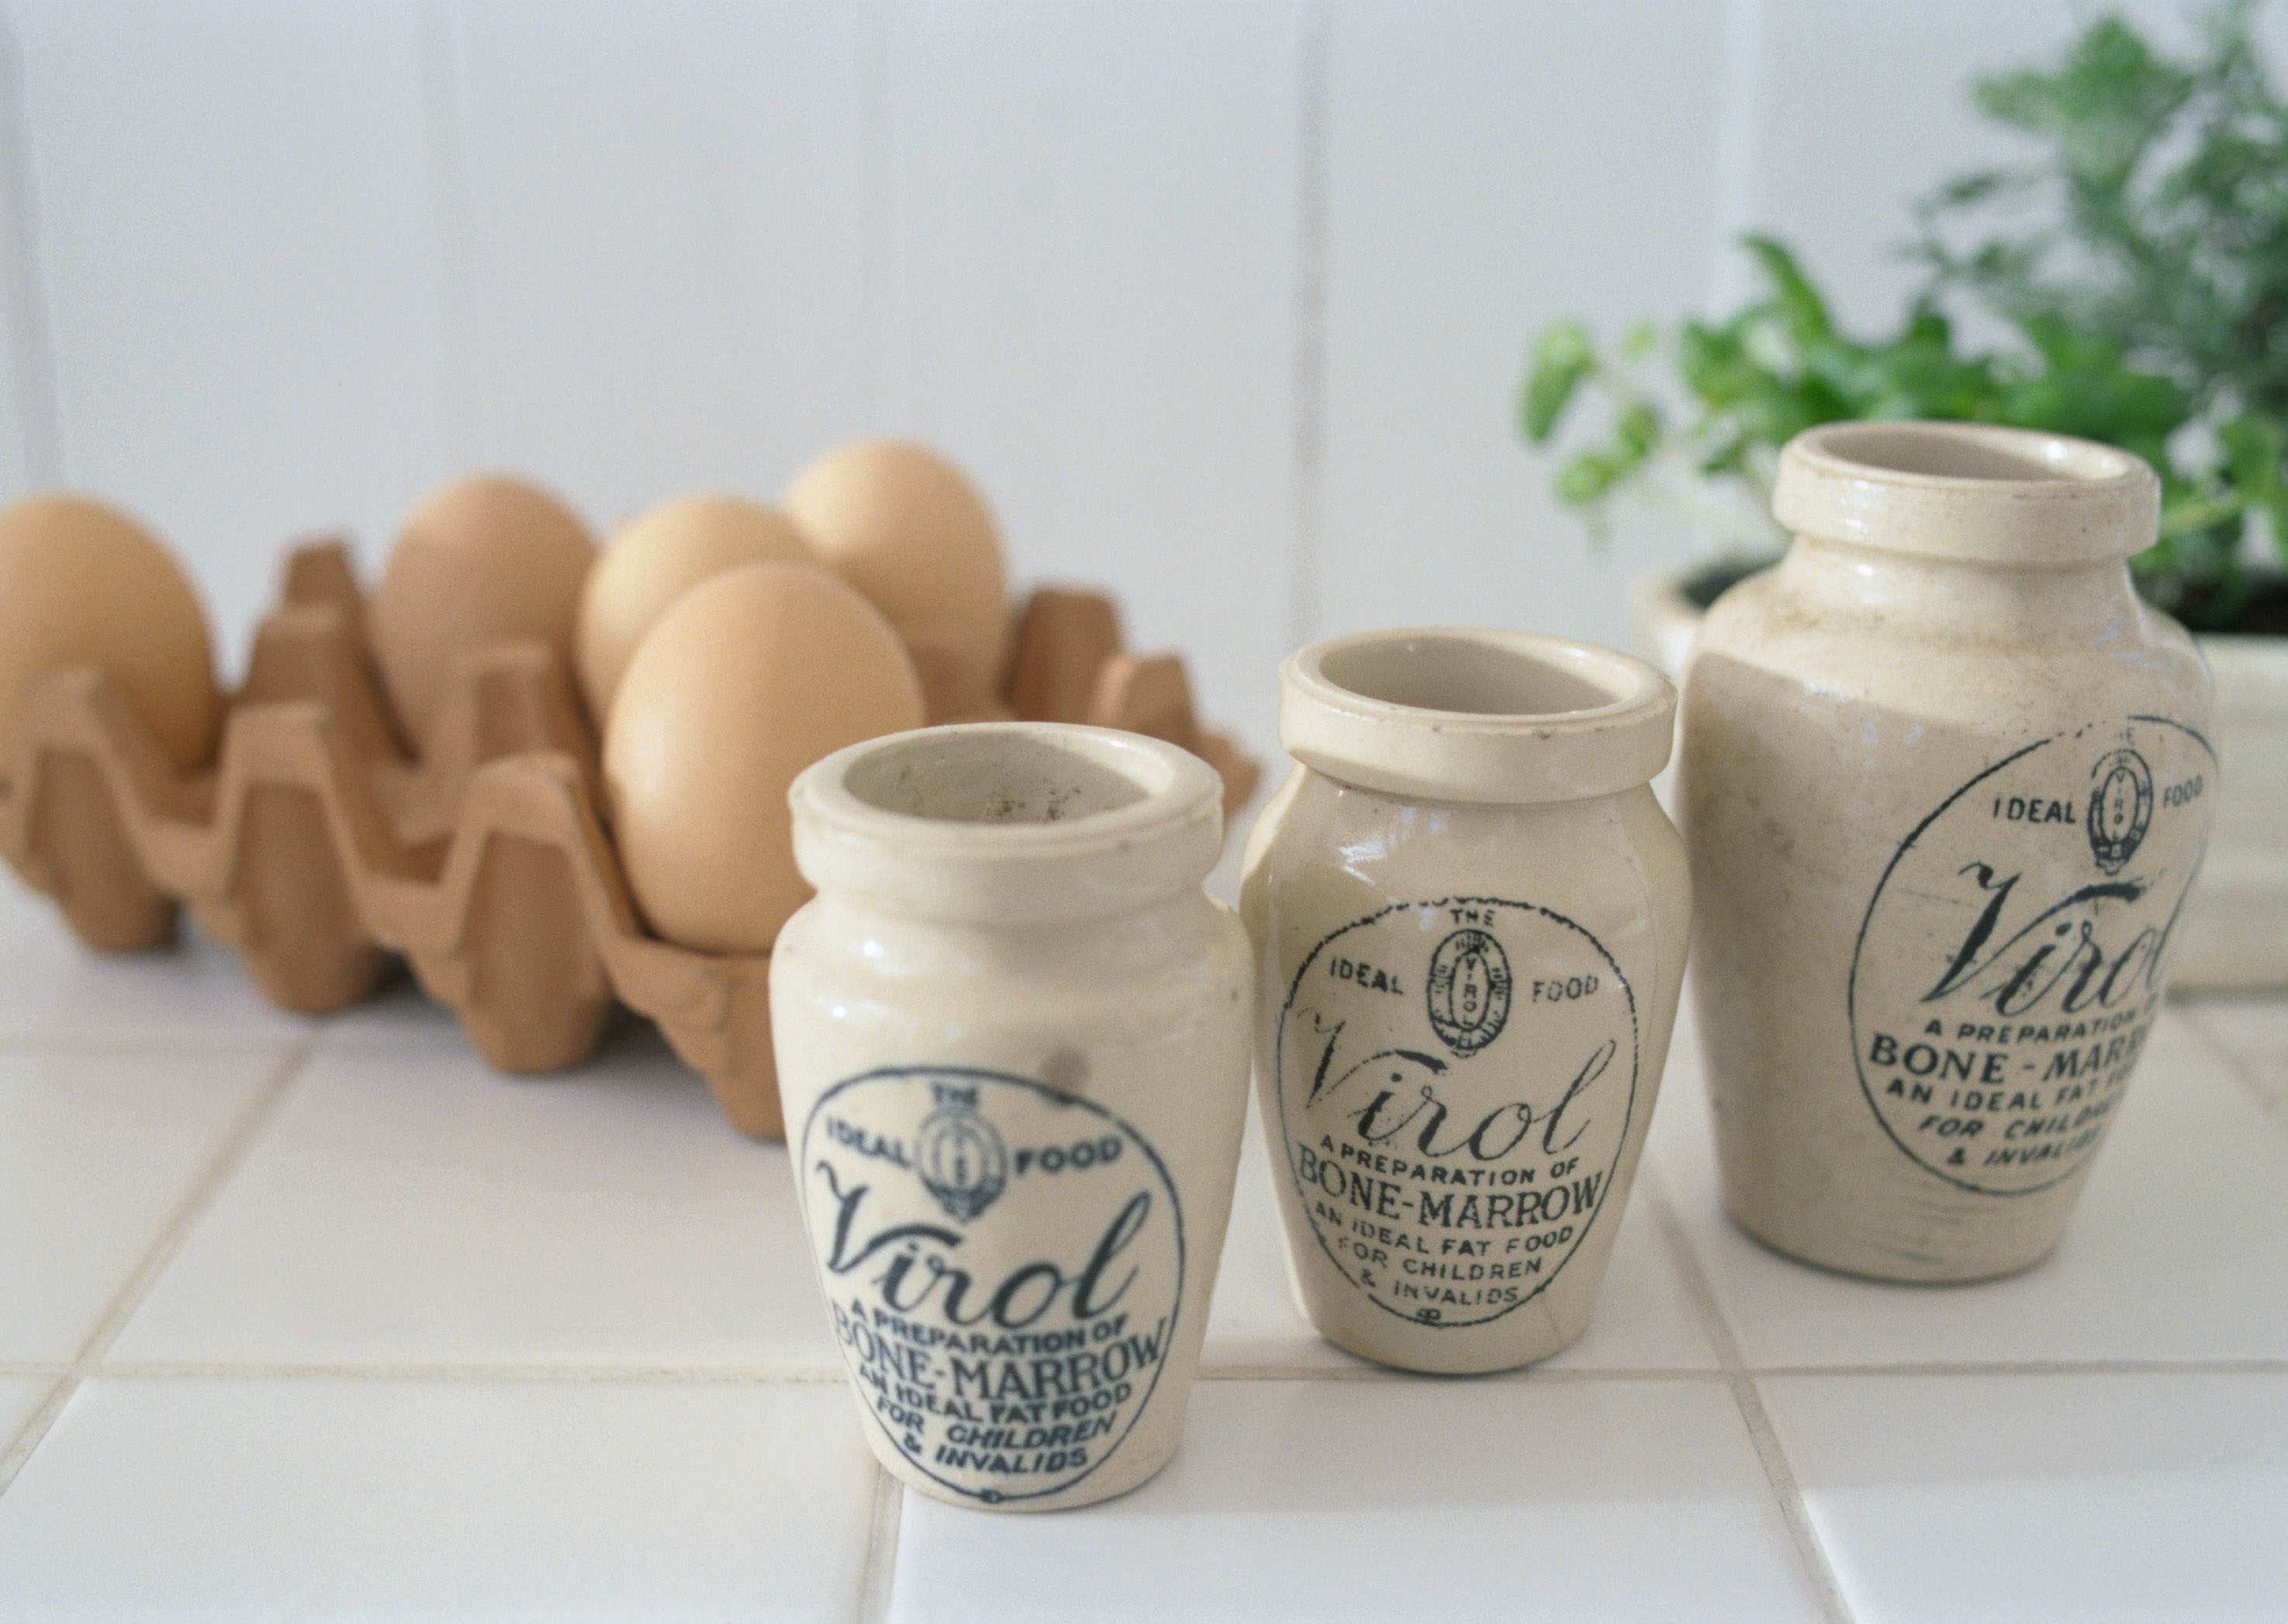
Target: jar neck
[(995, 891), (2081, 601), (899, 939)]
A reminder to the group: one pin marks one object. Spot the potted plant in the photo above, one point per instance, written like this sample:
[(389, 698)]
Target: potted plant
[(2140, 267)]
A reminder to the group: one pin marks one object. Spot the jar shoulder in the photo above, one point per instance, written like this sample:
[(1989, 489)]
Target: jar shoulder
[(1913, 655), (1327, 847)]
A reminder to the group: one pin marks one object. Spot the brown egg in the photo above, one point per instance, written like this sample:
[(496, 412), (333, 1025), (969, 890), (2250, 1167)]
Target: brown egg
[(903, 526), (481, 560), (654, 558), (81, 584), (750, 677)]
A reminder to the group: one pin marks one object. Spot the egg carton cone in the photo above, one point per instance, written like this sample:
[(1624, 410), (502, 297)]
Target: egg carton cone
[(1067, 665), (317, 848)]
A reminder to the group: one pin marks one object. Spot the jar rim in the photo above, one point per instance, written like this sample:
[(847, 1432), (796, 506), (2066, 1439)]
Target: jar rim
[(1475, 715), (1002, 821), (1976, 492)]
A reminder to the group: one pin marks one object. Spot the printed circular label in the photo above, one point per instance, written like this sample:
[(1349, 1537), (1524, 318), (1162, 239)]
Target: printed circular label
[(1455, 1081), (2011, 963), (1003, 1264)]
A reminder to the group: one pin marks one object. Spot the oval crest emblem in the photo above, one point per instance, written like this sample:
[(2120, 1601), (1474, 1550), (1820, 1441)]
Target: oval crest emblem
[(1469, 990), (2120, 808)]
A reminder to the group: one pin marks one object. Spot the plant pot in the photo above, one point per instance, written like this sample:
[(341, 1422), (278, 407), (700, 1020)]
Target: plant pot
[(1667, 617), (2234, 933)]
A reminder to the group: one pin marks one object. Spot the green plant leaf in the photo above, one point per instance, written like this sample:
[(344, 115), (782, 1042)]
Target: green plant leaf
[(1585, 479), (1807, 319), (2256, 452), (2138, 260), (2103, 106), (1637, 430), (1562, 356), (2254, 447)]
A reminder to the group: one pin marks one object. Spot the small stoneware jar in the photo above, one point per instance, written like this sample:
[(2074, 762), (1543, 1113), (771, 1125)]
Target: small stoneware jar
[(1945, 783), (1012, 1046), (1470, 917)]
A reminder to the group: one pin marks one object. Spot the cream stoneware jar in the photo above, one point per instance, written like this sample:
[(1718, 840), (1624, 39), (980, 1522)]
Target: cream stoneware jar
[(1012, 1033), (1470, 917), (1945, 782)]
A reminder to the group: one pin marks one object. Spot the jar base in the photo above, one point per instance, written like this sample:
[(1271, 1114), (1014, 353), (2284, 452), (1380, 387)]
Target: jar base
[(1128, 1477), (1441, 1357), (1891, 1265)]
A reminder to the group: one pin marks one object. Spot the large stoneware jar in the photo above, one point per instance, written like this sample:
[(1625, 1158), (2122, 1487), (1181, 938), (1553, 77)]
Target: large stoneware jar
[(1470, 917), (1012, 1047), (1945, 782)]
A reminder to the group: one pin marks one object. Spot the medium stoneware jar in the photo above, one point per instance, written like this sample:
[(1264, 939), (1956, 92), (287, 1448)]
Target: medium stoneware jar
[(1470, 917), (1012, 1046), (1945, 783)]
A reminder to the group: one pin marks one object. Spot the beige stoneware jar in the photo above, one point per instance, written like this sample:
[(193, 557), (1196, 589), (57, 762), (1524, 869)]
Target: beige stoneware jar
[(1011, 1035), (1470, 917), (1945, 782)]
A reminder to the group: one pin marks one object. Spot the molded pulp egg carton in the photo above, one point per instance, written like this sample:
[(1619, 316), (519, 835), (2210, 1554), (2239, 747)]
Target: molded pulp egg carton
[(315, 850)]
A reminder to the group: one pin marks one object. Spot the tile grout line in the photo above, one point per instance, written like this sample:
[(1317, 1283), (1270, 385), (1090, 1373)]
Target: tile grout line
[(257, 1116), (161, 1251), (538, 1375), (2049, 1368), (882, 1547), (1786, 1491), (152, 1041), (825, 1376), (1566, 1374), (36, 1428)]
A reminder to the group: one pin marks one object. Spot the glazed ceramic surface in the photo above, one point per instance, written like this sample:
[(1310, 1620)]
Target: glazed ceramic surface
[(1013, 1045), (1470, 917), (1946, 783)]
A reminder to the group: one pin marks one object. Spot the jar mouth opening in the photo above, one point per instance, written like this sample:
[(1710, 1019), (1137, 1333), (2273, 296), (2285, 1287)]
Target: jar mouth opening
[(1457, 714), (1472, 674), (1007, 821), (1973, 492), (969, 776), (1973, 453)]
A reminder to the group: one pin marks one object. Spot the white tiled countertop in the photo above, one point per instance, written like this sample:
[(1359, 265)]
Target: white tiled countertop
[(323, 1318)]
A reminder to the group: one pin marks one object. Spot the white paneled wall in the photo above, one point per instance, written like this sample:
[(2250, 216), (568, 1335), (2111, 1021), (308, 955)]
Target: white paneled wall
[(235, 245), (1091, 264), (663, 226), (1492, 167), (1222, 302)]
